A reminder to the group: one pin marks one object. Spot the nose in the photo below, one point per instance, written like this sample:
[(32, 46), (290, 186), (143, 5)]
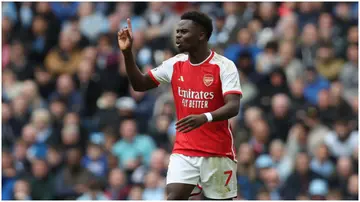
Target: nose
[(178, 35)]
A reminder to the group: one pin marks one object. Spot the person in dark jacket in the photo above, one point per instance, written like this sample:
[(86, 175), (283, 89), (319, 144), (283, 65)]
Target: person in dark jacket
[(298, 182), (72, 180), (41, 182)]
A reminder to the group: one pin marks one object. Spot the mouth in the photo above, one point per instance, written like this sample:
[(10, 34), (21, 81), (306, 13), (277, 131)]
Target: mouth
[(178, 43)]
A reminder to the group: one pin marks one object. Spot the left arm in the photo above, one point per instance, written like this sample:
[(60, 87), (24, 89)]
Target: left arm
[(229, 110)]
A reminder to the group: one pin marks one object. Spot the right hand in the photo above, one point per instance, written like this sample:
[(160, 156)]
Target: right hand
[(125, 37)]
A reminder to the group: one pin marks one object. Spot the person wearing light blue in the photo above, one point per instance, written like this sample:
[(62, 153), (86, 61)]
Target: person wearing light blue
[(318, 189), (321, 163), (133, 149), (94, 192)]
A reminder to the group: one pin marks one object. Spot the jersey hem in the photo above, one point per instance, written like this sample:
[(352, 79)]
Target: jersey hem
[(193, 153), (233, 92), (153, 78)]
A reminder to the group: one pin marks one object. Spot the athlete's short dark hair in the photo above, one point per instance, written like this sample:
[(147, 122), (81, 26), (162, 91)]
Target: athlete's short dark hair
[(201, 19)]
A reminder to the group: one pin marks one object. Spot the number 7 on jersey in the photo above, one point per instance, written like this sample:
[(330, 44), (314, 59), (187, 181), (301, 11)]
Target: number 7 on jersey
[(229, 172)]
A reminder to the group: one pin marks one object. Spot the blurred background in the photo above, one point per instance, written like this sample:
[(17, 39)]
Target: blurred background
[(73, 128)]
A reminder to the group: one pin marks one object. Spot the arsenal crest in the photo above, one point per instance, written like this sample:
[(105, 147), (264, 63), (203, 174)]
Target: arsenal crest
[(208, 79)]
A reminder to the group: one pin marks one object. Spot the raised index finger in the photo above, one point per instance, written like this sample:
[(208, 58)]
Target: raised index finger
[(129, 25)]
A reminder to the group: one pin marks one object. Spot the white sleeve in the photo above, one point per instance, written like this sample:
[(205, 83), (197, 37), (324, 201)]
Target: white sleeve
[(163, 73), (230, 79)]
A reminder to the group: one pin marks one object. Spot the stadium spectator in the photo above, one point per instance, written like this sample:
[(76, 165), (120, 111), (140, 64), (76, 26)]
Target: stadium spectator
[(352, 193), (158, 164), (344, 171), (280, 119), (65, 90), (260, 135), (342, 141), (41, 183), (118, 188), (154, 187), (299, 180), (54, 159), (136, 193), (31, 94), (22, 190), (19, 63), (65, 57), (272, 183), (318, 189), (95, 159), (245, 43), (246, 172), (8, 175), (94, 192), (89, 86), (347, 75), (327, 64), (72, 180), (306, 50), (133, 149), (282, 162), (20, 154), (321, 163), (12, 87)]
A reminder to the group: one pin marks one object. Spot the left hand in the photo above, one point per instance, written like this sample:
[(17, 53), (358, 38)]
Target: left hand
[(190, 122)]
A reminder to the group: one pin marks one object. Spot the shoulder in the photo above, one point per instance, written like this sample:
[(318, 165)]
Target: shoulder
[(168, 65), (144, 138), (330, 138), (220, 59), (223, 63), (117, 144), (177, 58), (354, 135)]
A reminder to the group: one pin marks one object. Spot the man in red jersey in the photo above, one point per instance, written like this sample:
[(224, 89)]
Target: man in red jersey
[(207, 92)]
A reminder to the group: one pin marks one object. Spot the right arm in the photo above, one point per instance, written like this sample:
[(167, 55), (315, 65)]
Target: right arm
[(138, 80)]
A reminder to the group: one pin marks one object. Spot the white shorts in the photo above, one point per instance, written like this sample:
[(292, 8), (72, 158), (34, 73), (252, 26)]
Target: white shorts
[(215, 176)]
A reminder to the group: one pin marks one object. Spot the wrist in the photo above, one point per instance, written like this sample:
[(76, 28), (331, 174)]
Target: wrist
[(208, 116), (127, 51)]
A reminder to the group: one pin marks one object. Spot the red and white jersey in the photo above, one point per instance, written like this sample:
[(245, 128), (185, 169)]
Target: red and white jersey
[(197, 89)]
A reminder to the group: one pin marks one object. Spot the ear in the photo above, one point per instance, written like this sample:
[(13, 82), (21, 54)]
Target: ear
[(202, 36)]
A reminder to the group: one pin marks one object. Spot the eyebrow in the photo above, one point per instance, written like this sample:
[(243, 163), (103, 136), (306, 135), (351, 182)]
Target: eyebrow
[(182, 29)]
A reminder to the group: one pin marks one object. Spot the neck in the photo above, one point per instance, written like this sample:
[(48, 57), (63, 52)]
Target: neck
[(199, 55)]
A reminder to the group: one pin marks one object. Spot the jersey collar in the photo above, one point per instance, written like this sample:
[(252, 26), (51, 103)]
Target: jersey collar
[(206, 60)]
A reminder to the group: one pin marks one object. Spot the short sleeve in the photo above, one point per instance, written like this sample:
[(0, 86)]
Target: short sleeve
[(230, 79), (163, 73)]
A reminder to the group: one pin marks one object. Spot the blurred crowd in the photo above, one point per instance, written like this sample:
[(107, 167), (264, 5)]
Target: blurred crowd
[(73, 128)]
